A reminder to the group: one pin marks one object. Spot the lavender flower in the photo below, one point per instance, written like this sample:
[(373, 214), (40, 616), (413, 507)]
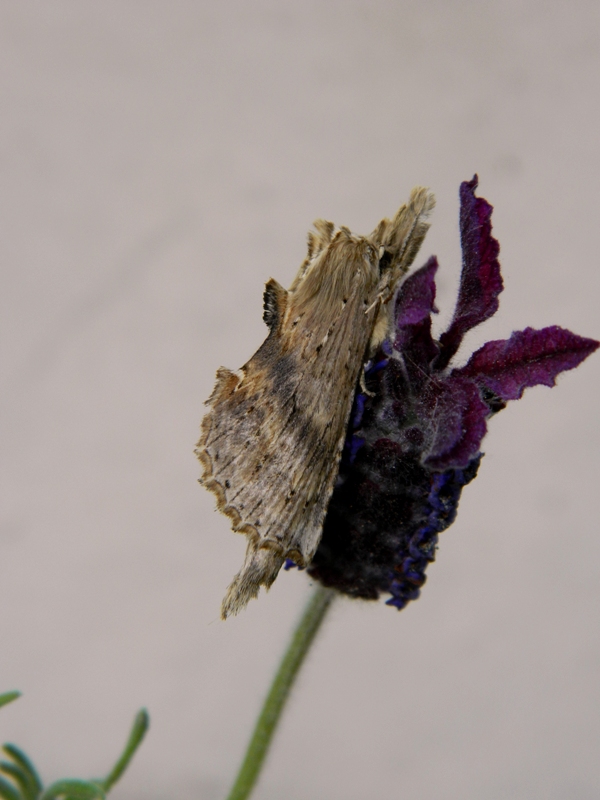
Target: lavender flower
[(415, 442)]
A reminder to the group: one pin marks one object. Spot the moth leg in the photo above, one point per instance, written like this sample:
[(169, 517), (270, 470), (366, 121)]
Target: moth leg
[(375, 303), (383, 320), (363, 385), (261, 566)]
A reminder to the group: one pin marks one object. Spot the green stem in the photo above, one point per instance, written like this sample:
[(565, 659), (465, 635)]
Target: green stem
[(264, 729), (138, 731)]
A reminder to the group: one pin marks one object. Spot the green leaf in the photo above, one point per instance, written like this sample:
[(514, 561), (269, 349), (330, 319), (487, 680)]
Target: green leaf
[(8, 791), (138, 731), (21, 760), (74, 790), (8, 697), (18, 776)]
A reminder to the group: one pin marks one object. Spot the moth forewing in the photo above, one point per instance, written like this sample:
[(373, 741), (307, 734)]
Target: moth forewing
[(271, 442)]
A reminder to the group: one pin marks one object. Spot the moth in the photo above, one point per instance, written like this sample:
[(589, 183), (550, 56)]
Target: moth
[(271, 442)]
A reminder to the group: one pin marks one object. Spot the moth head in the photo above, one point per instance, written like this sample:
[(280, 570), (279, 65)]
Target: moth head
[(342, 249), (341, 266), (331, 251)]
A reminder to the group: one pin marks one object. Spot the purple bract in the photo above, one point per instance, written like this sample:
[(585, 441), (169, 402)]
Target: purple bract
[(415, 443)]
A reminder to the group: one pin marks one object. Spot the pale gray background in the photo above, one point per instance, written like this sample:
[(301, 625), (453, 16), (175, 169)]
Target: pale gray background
[(159, 162)]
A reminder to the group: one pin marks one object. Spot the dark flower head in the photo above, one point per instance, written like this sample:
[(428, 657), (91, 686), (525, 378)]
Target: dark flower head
[(414, 441)]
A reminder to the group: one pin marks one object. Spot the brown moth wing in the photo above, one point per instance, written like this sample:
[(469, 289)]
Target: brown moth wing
[(271, 443)]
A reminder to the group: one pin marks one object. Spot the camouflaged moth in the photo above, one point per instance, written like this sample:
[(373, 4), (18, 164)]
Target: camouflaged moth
[(271, 442)]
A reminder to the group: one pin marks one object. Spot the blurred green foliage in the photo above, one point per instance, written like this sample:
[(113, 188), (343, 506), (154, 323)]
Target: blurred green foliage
[(19, 779)]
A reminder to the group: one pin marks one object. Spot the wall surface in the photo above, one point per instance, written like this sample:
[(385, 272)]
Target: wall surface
[(158, 163)]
